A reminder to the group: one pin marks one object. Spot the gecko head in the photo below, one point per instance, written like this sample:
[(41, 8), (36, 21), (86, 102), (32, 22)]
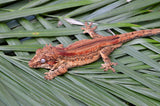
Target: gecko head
[(44, 58)]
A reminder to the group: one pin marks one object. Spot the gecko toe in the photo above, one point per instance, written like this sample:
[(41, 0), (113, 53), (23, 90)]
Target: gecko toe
[(49, 75), (46, 73), (114, 64), (82, 28), (90, 24), (108, 66)]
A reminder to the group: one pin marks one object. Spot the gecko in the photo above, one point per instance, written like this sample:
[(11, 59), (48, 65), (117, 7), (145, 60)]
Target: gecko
[(59, 58)]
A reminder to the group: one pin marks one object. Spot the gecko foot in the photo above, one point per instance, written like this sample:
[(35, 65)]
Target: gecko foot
[(53, 73), (107, 66), (88, 28), (49, 75)]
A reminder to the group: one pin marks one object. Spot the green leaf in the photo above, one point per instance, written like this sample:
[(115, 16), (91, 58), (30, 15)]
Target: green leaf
[(59, 31), (136, 81), (43, 9)]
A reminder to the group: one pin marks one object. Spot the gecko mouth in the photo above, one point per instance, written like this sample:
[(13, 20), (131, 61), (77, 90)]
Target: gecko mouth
[(39, 66), (45, 66)]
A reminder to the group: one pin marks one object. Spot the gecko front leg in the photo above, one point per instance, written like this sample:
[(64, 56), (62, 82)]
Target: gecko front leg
[(107, 62), (53, 73)]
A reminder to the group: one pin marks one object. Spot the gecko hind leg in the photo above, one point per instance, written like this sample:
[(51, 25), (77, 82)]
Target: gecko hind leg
[(91, 31), (107, 62)]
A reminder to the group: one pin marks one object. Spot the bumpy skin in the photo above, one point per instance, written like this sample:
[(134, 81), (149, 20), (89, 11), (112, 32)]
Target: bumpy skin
[(58, 59)]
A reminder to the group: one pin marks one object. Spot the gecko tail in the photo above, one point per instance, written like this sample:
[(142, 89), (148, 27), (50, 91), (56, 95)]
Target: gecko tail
[(137, 34)]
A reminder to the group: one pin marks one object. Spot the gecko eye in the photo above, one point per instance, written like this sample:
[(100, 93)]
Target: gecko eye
[(43, 60)]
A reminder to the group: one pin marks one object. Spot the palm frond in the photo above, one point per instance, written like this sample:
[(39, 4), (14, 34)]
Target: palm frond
[(28, 25)]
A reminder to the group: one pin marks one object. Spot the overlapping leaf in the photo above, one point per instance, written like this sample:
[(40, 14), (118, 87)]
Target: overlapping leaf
[(136, 81)]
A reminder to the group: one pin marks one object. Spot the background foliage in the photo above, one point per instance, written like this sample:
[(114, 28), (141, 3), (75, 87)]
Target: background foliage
[(26, 25)]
